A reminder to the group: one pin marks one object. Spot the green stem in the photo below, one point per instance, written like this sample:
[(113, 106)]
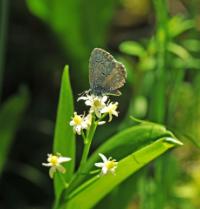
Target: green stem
[(76, 178), (157, 112), (3, 31), (179, 76), (87, 145), (63, 180), (158, 107)]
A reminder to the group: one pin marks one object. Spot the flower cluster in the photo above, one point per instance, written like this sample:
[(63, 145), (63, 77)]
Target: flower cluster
[(100, 107), (108, 165)]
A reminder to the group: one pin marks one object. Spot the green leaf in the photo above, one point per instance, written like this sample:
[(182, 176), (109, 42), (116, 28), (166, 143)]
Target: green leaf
[(88, 194), (64, 139), (179, 51), (192, 45), (11, 113), (132, 48), (178, 25), (39, 8), (122, 195), (123, 144), (71, 21)]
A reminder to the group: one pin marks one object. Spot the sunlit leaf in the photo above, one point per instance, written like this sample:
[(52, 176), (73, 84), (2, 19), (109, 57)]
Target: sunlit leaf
[(64, 139), (178, 25), (122, 144), (94, 190), (132, 48), (179, 51)]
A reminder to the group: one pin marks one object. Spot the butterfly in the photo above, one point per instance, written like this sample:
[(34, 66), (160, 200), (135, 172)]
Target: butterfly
[(106, 75)]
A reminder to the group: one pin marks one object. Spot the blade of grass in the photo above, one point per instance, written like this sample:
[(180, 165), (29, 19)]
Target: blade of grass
[(11, 113), (64, 139)]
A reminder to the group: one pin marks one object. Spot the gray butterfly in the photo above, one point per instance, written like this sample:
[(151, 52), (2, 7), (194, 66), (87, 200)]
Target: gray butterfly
[(106, 75)]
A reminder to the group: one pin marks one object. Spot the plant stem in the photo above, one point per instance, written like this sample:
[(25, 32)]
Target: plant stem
[(3, 31), (158, 101), (87, 144), (158, 108), (63, 180)]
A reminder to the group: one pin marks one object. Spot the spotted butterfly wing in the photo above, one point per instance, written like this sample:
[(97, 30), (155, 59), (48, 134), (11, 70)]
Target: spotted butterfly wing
[(106, 75)]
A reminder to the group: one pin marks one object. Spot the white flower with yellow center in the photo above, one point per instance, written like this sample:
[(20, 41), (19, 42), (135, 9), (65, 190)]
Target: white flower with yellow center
[(108, 165), (79, 122), (111, 110), (97, 103), (54, 162)]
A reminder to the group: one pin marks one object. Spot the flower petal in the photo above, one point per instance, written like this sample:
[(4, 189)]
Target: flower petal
[(104, 170), (101, 122), (110, 118), (103, 157), (52, 170), (71, 123), (47, 164), (100, 165), (82, 98), (104, 99), (63, 159), (60, 168)]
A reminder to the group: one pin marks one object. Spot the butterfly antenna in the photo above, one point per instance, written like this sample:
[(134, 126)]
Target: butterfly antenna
[(84, 92)]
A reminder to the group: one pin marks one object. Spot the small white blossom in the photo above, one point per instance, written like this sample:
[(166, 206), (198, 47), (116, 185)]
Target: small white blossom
[(79, 122), (101, 123), (97, 103), (108, 165), (111, 110), (54, 162)]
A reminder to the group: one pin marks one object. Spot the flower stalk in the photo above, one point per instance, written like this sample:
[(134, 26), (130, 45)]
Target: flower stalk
[(87, 143)]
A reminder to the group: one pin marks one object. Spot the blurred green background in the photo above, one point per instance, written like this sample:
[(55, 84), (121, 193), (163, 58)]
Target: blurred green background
[(158, 41)]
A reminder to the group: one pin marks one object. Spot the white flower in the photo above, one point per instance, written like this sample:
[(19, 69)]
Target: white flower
[(101, 123), (108, 165), (54, 162), (111, 110), (79, 122), (97, 103), (88, 120)]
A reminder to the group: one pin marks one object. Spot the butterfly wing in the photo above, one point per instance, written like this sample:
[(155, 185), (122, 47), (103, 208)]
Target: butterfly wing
[(106, 75)]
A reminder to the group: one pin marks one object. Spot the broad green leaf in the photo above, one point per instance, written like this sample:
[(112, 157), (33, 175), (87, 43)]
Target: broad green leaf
[(64, 139), (122, 195), (88, 194), (132, 48), (123, 144), (11, 113)]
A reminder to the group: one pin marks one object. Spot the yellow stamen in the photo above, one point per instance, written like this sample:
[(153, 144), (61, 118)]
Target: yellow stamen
[(97, 103), (110, 164), (53, 160), (77, 120)]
